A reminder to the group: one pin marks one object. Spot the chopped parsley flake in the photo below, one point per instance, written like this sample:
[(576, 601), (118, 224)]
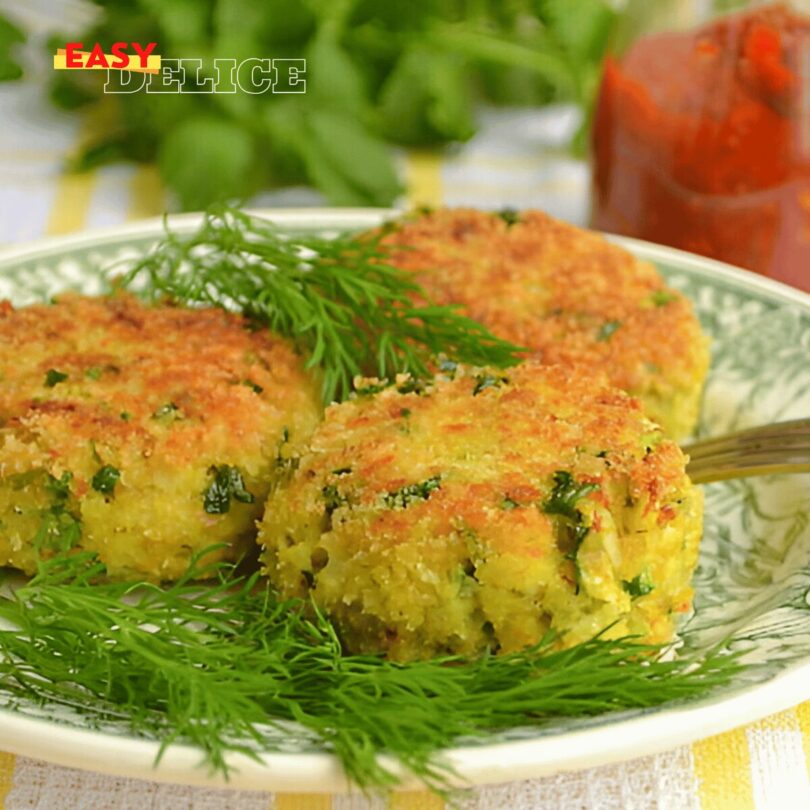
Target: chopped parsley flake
[(53, 377), (372, 388), (484, 381), (661, 297), (227, 484), (412, 386), (565, 494), (105, 479), (333, 498), (412, 492), (562, 501), (509, 216), (60, 487), (507, 504), (607, 330), (255, 387), (59, 529), (639, 585)]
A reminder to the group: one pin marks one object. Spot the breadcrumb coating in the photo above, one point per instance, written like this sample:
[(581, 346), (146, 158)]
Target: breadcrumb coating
[(144, 433), (569, 296), (485, 509)]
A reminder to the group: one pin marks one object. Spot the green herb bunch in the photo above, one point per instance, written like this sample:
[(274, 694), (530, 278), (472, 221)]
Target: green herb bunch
[(11, 35), (215, 664), (336, 298), (379, 73)]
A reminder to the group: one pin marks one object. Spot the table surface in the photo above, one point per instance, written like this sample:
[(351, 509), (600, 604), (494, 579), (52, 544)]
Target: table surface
[(517, 160)]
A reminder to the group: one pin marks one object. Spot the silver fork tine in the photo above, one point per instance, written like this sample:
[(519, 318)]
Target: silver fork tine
[(791, 431), (778, 448), (773, 444), (742, 469)]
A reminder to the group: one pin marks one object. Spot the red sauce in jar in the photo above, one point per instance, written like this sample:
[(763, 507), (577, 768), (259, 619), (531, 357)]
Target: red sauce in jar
[(702, 141)]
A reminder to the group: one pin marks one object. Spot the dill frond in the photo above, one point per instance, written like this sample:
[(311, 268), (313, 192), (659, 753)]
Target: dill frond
[(215, 664), (336, 298)]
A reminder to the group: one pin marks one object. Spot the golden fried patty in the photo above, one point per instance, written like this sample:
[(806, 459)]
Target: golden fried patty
[(143, 433), (484, 510), (569, 296)]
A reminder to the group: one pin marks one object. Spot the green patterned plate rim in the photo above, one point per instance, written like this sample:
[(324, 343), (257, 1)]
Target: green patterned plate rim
[(752, 582)]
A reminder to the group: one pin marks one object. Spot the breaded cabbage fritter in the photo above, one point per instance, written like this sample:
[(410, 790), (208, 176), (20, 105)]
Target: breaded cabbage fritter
[(143, 433), (569, 296), (485, 509)]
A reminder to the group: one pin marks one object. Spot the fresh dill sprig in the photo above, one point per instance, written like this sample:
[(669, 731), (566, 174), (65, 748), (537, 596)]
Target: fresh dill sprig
[(338, 299), (213, 664)]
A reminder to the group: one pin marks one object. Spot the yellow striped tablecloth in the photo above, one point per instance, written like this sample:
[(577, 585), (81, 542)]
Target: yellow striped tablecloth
[(512, 162)]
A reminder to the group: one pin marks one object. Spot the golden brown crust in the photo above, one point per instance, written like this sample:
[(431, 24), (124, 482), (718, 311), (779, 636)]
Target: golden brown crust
[(569, 296), (417, 520), (163, 394)]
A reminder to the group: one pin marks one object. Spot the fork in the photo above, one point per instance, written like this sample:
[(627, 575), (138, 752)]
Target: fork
[(783, 447)]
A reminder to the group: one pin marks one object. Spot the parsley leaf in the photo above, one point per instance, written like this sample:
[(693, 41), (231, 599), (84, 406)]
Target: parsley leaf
[(105, 479), (565, 494), (562, 501), (59, 528), (53, 377), (227, 484), (421, 491), (639, 585), (333, 498)]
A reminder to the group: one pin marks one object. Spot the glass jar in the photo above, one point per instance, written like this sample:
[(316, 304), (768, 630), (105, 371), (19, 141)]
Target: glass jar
[(701, 140)]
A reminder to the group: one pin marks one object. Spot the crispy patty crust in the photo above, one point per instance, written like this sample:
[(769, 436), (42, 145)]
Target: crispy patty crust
[(143, 433), (569, 296), (485, 509)]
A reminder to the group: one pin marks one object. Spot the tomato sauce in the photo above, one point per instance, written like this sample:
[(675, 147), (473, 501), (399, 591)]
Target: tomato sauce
[(702, 141)]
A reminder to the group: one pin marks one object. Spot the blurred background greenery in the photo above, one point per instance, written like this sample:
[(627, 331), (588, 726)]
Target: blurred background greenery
[(380, 74)]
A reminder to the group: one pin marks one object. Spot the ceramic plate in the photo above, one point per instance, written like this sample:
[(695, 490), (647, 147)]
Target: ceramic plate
[(753, 580)]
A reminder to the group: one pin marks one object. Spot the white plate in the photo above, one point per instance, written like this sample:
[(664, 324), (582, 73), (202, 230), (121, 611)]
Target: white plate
[(753, 578)]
